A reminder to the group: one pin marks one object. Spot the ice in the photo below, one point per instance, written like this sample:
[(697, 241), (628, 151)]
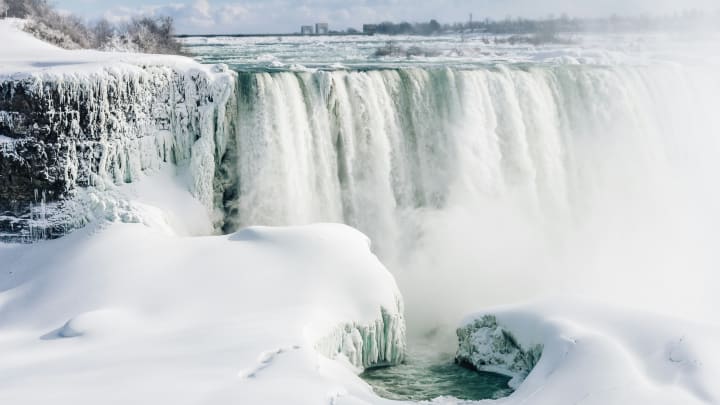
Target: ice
[(381, 343), (486, 346), (106, 120)]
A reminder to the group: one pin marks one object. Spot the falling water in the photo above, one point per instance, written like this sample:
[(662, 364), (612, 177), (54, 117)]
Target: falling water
[(494, 180)]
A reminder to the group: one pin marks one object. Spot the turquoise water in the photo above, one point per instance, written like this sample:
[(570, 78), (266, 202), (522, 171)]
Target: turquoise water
[(427, 375)]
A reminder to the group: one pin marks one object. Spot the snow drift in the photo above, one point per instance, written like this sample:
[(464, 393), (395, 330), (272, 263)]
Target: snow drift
[(599, 354), (130, 314)]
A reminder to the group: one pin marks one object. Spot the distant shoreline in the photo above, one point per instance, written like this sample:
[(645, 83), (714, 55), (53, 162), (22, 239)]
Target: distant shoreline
[(339, 34)]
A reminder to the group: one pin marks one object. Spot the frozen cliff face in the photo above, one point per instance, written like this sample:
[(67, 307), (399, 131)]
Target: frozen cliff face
[(486, 346), (381, 343), (96, 130)]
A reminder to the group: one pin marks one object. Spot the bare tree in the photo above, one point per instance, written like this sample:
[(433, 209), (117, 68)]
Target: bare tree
[(103, 32), (151, 35), (154, 35)]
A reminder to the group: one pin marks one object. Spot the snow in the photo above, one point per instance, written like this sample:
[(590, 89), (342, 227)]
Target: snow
[(596, 354), (173, 109), (486, 346), (149, 312), (143, 313), (130, 314), (24, 55), (127, 313)]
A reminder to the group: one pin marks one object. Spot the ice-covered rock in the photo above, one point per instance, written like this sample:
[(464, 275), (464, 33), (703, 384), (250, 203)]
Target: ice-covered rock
[(103, 129), (485, 345)]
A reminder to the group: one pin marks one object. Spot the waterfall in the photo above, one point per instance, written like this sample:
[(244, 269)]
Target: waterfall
[(525, 158), (516, 177), (369, 147)]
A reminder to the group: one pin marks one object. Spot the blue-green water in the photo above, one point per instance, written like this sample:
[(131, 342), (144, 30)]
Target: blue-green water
[(426, 375)]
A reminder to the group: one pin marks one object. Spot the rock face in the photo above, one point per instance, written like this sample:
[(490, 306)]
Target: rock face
[(61, 134), (484, 345)]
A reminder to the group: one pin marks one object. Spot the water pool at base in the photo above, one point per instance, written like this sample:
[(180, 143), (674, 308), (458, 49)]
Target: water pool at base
[(426, 375)]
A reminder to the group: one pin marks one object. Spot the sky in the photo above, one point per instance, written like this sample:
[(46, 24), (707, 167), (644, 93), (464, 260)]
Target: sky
[(284, 16)]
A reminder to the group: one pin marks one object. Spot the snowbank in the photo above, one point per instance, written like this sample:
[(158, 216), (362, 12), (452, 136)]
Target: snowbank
[(596, 354), (131, 315), (23, 56)]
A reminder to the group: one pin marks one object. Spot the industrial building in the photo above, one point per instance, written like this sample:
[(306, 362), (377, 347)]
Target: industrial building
[(321, 29), (369, 29)]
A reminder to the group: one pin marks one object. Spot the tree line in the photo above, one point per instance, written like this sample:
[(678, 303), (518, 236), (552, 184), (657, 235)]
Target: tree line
[(562, 24), (142, 34)]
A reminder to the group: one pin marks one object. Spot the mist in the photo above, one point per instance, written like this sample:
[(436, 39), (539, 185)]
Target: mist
[(618, 205)]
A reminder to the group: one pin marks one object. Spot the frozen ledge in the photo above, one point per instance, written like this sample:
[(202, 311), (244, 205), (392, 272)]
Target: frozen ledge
[(379, 343)]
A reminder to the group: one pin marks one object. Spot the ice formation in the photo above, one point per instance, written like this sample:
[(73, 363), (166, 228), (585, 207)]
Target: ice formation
[(381, 343), (486, 346), (103, 129)]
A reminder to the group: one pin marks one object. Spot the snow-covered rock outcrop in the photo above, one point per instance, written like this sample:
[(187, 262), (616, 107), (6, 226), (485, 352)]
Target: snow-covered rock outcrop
[(486, 346), (594, 353), (104, 129), (86, 119)]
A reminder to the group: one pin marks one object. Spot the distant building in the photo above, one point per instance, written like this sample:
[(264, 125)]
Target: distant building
[(369, 28), (306, 30), (321, 29)]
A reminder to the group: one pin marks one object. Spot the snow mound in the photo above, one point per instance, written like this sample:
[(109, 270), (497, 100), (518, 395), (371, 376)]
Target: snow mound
[(24, 56), (599, 355), (149, 317)]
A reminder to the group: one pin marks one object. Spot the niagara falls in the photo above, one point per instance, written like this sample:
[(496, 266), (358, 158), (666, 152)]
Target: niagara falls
[(343, 203)]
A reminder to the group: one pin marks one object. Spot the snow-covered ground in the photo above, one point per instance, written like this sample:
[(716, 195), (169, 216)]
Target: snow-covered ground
[(24, 55), (142, 313), (130, 315), (599, 354)]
